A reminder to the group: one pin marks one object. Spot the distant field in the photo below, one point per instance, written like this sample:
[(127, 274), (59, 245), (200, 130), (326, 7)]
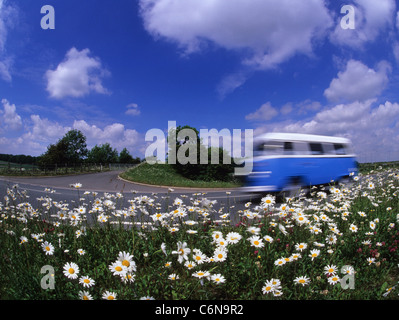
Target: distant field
[(15, 169), (5, 164), (164, 175)]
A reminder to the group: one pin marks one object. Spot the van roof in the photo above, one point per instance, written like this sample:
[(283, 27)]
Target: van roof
[(301, 137)]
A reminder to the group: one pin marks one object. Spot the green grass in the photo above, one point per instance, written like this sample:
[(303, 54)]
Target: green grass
[(165, 175), (367, 168)]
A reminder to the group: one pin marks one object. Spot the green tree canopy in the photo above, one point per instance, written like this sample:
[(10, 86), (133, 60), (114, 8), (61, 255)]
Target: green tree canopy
[(190, 149), (125, 156), (103, 154), (70, 149)]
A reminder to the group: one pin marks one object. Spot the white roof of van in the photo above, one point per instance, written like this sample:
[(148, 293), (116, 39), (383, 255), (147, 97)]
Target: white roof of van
[(301, 137)]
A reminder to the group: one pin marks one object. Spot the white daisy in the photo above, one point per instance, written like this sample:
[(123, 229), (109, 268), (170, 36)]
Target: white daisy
[(71, 270), (48, 248), (86, 281)]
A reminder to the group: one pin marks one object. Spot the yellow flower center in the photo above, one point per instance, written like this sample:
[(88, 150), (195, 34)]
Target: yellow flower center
[(126, 263)]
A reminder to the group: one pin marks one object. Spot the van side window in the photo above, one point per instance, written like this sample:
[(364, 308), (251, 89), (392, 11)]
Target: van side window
[(316, 148), (288, 148), (328, 148), (339, 148), (301, 148), (270, 148)]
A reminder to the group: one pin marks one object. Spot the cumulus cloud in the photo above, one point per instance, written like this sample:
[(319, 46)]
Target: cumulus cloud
[(358, 82), (115, 134), (371, 19), (11, 120), (78, 75), (44, 130), (265, 112), (268, 32)]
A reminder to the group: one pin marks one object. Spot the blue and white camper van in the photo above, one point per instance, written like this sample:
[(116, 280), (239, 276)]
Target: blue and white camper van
[(286, 162)]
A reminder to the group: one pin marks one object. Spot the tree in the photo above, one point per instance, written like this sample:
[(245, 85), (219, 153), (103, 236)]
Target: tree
[(125, 157), (76, 148), (103, 154), (70, 149), (190, 149)]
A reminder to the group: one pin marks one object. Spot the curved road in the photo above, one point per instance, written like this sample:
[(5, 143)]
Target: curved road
[(108, 181), (111, 183)]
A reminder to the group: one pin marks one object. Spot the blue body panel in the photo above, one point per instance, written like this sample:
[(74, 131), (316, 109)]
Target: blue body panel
[(275, 173)]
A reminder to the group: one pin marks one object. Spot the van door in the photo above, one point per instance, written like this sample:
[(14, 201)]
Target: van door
[(316, 166)]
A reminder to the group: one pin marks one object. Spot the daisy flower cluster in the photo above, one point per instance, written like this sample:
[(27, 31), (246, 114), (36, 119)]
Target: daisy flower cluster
[(119, 246)]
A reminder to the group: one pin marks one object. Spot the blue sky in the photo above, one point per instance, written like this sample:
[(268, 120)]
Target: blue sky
[(116, 69)]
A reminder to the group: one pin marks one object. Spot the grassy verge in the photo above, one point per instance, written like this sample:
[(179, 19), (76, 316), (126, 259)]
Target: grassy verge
[(165, 175), (367, 168)]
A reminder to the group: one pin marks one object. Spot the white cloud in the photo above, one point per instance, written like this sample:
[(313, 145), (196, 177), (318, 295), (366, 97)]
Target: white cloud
[(45, 130), (11, 120), (371, 19), (273, 30), (115, 134), (265, 112), (132, 109), (38, 134), (358, 82), (77, 76)]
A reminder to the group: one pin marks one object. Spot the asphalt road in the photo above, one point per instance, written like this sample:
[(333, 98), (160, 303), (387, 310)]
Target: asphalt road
[(111, 183)]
